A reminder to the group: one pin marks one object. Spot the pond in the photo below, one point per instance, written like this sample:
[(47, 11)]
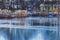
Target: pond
[(30, 28), (29, 21), (27, 34)]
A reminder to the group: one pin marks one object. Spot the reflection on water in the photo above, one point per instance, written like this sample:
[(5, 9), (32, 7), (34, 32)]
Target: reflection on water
[(27, 34), (30, 21), (43, 32)]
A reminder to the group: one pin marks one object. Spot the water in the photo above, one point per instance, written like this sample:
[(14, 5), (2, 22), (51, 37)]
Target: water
[(29, 21), (27, 34), (30, 28)]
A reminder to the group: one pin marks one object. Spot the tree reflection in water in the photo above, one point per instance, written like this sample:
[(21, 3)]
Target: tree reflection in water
[(26, 34)]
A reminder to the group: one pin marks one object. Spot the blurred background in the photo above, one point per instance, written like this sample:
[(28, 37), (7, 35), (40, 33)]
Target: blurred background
[(30, 12), (40, 17)]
